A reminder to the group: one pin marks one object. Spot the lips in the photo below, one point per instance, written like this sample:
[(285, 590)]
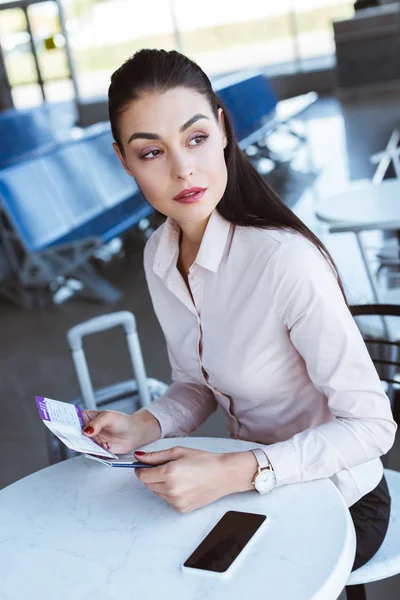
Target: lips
[(192, 198), (189, 194)]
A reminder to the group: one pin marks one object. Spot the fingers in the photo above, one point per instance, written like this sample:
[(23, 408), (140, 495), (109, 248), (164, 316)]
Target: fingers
[(162, 456), (88, 415), (102, 443), (171, 499), (151, 476), (167, 471), (94, 425), (166, 490), (157, 488)]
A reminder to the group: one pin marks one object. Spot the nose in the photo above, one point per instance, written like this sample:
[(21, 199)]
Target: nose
[(181, 167)]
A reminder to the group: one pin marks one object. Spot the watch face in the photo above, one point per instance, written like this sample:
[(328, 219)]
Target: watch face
[(265, 481)]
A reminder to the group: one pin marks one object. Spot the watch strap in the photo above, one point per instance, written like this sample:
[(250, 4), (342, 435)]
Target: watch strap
[(261, 458)]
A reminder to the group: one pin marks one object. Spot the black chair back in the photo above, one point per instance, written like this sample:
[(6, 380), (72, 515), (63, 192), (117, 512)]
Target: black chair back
[(379, 325)]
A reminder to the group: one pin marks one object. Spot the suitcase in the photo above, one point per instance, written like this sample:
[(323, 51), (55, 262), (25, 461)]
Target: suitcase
[(125, 396)]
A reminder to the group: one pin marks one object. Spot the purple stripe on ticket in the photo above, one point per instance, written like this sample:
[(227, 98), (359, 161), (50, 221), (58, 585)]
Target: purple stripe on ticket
[(80, 416), (42, 407)]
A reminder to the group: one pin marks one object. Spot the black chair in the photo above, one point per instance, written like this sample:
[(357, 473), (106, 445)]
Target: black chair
[(380, 327)]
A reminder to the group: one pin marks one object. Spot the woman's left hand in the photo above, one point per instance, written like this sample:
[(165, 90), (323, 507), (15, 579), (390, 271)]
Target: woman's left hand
[(188, 479)]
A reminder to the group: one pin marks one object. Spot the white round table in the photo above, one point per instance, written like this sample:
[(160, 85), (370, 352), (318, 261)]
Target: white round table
[(363, 207), (377, 206), (80, 530)]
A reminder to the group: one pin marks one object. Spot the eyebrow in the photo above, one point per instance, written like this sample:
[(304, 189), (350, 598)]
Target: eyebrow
[(154, 136)]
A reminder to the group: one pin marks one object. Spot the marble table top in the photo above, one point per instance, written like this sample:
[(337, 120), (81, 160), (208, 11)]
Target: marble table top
[(79, 530)]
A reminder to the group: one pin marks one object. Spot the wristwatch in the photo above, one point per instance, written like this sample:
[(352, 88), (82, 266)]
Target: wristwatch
[(264, 479)]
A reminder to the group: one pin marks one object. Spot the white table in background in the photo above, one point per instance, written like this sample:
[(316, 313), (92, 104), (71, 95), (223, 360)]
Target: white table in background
[(364, 207), (80, 530)]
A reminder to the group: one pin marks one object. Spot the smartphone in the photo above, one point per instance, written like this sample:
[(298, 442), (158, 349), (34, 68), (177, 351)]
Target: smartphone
[(225, 542)]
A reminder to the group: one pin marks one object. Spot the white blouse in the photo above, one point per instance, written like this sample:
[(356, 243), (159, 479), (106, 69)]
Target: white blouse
[(269, 338)]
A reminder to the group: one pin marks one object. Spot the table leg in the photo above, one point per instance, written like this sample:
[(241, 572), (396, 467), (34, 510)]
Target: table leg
[(356, 592), (368, 270)]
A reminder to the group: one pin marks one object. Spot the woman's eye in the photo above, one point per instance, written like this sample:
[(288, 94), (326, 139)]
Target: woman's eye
[(151, 154), (195, 141), (199, 139)]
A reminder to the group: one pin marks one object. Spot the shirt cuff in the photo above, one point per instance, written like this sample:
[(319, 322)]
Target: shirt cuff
[(166, 420), (182, 408), (284, 461)]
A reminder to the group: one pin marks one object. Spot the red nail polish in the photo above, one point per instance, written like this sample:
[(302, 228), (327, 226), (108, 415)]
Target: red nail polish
[(89, 430), (139, 453)]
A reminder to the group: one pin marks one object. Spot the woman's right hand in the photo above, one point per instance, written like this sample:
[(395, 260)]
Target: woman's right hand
[(114, 431), (121, 433)]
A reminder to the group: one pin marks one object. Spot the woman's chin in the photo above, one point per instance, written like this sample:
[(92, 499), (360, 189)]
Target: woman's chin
[(192, 213)]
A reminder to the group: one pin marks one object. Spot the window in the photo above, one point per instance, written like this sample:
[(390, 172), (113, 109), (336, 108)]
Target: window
[(104, 33), (221, 35), (313, 25)]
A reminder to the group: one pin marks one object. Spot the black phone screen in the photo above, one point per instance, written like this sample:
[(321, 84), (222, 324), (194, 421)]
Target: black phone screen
[(225, 541)]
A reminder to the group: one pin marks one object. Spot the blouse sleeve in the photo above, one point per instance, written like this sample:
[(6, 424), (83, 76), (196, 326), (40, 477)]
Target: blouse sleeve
[(184, 406), (309, 301)]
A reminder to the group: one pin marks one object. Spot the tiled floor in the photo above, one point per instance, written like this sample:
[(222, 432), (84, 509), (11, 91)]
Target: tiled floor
[(34, 357)]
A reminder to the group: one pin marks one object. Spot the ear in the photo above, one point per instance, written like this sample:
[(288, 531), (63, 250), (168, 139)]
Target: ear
[(221, 121), (121, 158)]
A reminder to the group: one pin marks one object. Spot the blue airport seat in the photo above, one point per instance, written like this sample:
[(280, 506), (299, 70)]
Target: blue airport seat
[(111, 223), (27, 132), (256, 111), (48, 197), (250, 100), (115, 184), (23, 131), (63, 205)]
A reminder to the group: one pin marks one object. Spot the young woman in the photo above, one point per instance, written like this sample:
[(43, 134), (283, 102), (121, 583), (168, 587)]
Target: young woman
[(253, 313)]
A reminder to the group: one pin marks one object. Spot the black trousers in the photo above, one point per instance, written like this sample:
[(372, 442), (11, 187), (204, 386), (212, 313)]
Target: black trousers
[(370, 516)]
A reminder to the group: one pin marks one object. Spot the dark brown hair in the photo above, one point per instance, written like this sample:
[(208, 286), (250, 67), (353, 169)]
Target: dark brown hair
[(248, 199)]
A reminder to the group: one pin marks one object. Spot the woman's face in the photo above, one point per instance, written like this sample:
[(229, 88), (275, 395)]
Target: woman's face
[(172, 142)]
